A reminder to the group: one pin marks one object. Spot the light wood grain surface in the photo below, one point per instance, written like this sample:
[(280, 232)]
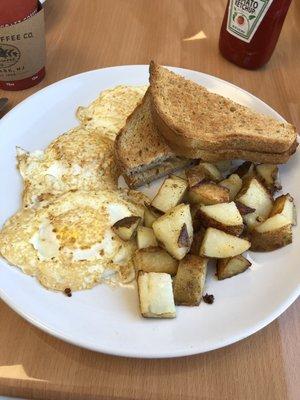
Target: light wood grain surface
[(84, 35)]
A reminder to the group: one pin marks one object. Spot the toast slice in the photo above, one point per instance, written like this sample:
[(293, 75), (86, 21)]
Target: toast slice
[(235, 154), (190, 116), (141, 154)]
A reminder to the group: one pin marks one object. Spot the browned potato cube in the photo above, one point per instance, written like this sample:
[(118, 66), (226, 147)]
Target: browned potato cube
[(174, 230), (195, 176), (219, 244), (208, 193), (268, 173), (150, 215), (155, 259), (203, 171), (189, 281), (245, 170), (156, 295), (195, 219), (223, 216), (272, 234), (244, 210), (145, 237), (234, 184), (126, 227), (197, 241), (181, 174), (211, 171), (170, 194), (254, 195), (228, 267), (285, 206)]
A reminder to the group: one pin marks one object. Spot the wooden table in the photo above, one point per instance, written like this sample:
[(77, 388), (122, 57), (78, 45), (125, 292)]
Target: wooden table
[(84, 35)]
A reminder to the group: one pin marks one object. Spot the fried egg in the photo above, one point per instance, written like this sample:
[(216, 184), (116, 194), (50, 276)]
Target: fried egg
[(69, 243), (108, 113), (78, 159)]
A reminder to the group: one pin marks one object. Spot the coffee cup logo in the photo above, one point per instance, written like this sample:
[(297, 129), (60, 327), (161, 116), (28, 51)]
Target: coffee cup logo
[(9, 55)]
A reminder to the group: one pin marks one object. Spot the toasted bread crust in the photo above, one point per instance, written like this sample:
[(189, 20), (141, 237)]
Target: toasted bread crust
[(235, 154), (190, 116), (138, 145)]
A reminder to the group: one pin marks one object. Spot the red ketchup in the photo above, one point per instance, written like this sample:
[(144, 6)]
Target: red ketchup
[(251, 29), (11, 13)]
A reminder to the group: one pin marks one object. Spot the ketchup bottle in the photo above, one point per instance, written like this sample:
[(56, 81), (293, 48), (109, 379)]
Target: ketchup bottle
[(13, 12), (250, 30)]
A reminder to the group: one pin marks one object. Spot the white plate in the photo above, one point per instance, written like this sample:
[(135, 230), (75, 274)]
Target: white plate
[(106, 319)]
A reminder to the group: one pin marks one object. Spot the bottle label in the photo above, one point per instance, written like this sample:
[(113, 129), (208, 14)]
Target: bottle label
[(245, 16), (22, 48)]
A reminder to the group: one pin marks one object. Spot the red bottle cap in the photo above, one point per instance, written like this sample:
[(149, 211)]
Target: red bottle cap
[(16, 11)]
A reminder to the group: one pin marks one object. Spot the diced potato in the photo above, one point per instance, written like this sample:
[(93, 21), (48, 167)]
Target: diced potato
[(150, 216), (184, 238), (224, 165), (203, 171), (243, 209), (145, 237), (195, 220), (208, 193), (197, 241), (156, 295), (276, 221), (254, 195), (174, 230), (211, 170), (234, 184), (284, 205), (126, 227), (155, 259), (189, 281), (245, 170), (195, 175), (170, 194), (272, 234), (223, 216), (269, 175), (228, 267), (219, 244), (180, 174)]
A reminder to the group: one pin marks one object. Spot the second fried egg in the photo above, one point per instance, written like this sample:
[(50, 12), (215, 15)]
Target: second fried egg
[(78, 159), (108, 113)]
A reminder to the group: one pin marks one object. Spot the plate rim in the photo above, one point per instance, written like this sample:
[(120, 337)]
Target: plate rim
[(178, 353), (123, 353)]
